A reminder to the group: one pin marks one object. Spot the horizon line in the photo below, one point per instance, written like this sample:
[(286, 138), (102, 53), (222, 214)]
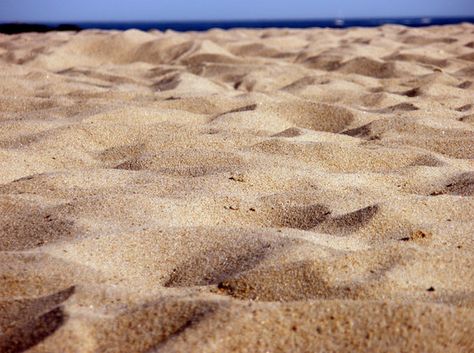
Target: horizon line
[(239, 20)]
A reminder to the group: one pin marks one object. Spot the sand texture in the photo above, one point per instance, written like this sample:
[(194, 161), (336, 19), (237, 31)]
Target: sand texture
[(237, 191)]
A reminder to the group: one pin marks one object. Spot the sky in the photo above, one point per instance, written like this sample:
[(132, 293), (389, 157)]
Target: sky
[(184, 10)]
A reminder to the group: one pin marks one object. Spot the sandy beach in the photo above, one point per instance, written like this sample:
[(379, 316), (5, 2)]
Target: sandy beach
[(237, 191)]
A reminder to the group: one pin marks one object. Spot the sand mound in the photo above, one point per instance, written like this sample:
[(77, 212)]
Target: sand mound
[(29, 225), (369, 67), (39, 318), (237, 191), (186, 162)]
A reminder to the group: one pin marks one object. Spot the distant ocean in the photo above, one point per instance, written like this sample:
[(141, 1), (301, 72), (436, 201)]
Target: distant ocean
[(206, 25)]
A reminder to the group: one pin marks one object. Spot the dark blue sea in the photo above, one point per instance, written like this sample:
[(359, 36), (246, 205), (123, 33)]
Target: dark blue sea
[(206, 25), (330, 23)]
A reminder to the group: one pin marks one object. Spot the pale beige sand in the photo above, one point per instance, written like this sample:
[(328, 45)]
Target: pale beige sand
[(238, 191)]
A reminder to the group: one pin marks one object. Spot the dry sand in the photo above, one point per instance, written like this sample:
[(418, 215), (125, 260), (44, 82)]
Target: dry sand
[(238, 191)]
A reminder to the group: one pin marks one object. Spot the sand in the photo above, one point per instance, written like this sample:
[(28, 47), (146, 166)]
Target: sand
[(237, 191)]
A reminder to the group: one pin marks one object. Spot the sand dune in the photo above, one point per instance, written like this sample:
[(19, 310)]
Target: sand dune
[(237, 191)]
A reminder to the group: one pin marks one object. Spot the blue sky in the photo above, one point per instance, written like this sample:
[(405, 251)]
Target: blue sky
[(156, 10)]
